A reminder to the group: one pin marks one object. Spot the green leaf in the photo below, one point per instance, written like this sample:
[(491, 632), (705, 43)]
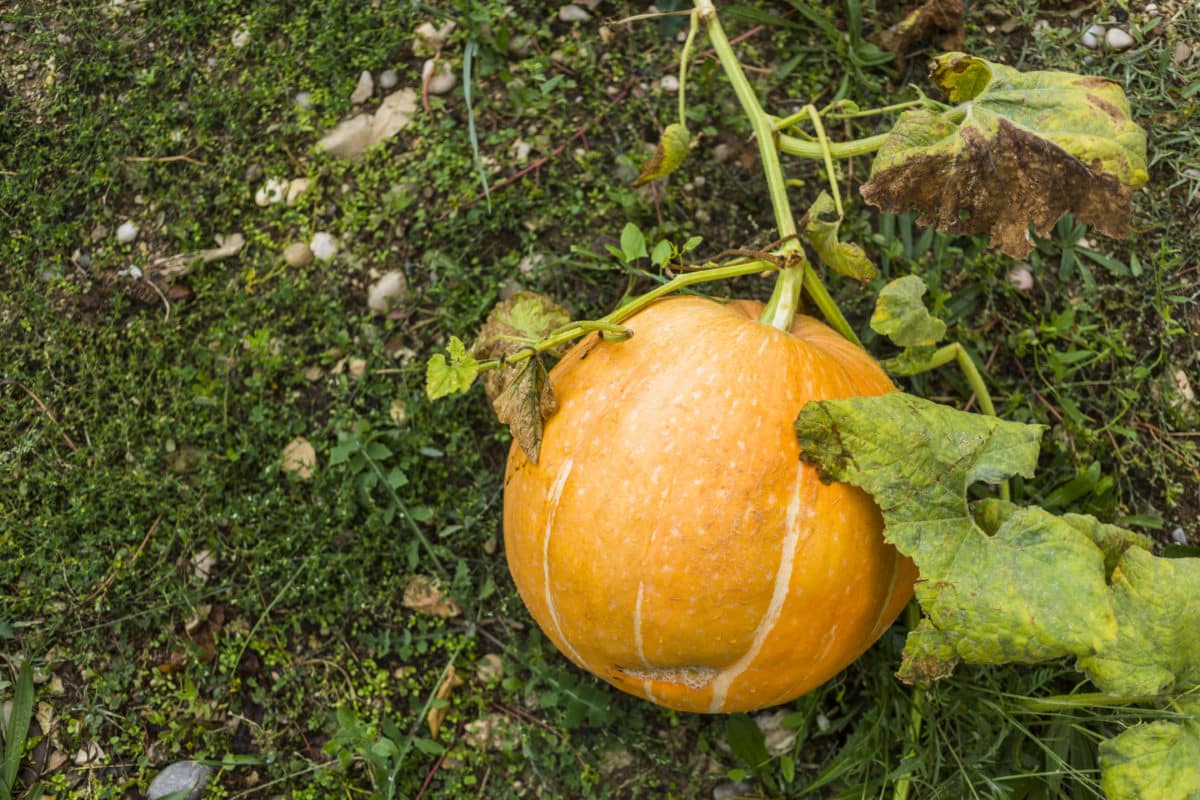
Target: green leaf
[(820, 227), (1001, 582), (1154, 761), (901, 315), (661, 253), (1157, 602), (444, 377), (1015, 149), (633, 243), (673, 147), (18, 727), (746, 740)]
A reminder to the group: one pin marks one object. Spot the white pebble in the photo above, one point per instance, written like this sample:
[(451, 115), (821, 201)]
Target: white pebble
[(127, 232), (573, 13), (303, 100), (323, 246), (385, 293), (669, 83), (1092, 37), (388, 79), (273, 191), (1021, 278), (1178, 536), (438, 76), (241, 38), (1118, 39), (1152, 8)]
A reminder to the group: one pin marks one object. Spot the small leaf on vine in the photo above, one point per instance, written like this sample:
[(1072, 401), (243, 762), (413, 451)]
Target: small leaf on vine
[(444, 377), (672, 148), (1017, 149), (820, 226), (901, 315), (523, 399)]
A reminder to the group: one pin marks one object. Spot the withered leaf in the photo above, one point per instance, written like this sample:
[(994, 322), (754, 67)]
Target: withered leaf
[(1016, 149), (523, 399), (672, 148), (520, 393), (936, 21), (426, 596), (820, 226)]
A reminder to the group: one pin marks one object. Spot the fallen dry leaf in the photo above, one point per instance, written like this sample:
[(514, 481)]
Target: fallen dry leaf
[(299, 459), (424, 595), (437, 716)]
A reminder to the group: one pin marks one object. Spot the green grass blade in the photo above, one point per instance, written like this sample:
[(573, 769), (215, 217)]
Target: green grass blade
[(468, 55), (18, 728)]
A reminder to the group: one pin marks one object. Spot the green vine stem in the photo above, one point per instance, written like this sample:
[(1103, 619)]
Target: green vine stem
[(804, 148), (1086, 700), (784, 302), (916, 716), (684, 58), (610, 323)]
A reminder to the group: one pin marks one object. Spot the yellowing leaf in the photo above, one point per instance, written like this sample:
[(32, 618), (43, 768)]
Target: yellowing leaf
[(901, 316), (672, 148), (820, 226), (437, 714), (1016, 149), (444, 377), (1002, 583), (1154, 761)]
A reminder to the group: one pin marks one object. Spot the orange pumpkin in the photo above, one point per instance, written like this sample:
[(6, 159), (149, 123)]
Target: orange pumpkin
[(671, 541)]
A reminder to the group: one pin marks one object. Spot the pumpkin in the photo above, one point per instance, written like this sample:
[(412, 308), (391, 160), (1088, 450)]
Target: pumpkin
[(671, 541)]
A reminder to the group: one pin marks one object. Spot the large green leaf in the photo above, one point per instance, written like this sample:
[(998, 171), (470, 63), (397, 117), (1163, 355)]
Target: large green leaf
[(1001, 582), (1154, 761), (1014, 149)]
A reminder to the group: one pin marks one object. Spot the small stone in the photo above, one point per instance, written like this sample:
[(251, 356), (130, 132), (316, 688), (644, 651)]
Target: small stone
[(99, 232), (240, 38), (297, 254), (1021, 278), (669, 83), (1181, 53), (127, 232), (573, 13), (1151, 9), (438, 76), (520, 150), (297, 187), (385, 294), (303, 99), (733, 790), (388, 79), (778, 739), (273, 191), (393, 115), (364, 89), (1179, 537), (323, 246), (1118, 39), (182, 776), (1092, 37)]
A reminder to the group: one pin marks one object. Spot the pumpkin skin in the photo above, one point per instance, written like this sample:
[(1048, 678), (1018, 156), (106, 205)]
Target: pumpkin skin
[(671, 541)]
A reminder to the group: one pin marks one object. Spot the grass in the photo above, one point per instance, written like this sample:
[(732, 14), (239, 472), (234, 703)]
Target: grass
[(181, 597)]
